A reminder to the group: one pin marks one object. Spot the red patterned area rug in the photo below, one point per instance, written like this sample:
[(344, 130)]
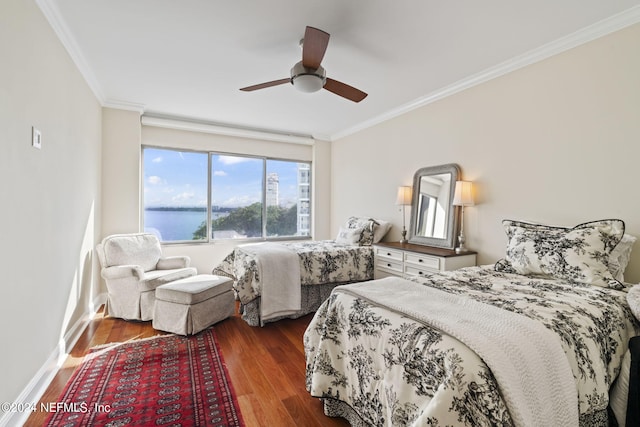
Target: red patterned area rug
[(169, 380)]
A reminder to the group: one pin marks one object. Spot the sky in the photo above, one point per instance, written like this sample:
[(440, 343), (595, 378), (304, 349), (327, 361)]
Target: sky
[(179, 179)]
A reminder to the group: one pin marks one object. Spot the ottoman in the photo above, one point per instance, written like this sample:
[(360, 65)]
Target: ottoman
[(189, 305)]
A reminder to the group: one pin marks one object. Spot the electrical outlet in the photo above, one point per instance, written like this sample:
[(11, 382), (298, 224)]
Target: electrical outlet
[(36, 138)]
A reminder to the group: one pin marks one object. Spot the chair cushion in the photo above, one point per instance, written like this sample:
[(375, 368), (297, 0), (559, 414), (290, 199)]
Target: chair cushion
[(155, 278), (193, 290), (132, 249)]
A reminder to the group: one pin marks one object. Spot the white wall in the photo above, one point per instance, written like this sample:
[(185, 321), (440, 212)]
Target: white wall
[(321, 191), (556, 142), (50, 212), (120, 171)]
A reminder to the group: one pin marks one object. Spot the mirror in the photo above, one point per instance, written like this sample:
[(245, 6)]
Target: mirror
[(434, 219)]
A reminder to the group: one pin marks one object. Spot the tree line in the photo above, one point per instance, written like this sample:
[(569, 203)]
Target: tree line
[(247, 221)]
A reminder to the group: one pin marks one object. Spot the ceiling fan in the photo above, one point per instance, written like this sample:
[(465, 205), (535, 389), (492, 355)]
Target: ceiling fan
[(308, 75)]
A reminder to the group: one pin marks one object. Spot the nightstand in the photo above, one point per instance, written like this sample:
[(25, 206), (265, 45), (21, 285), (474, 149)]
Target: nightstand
[(410, 260)]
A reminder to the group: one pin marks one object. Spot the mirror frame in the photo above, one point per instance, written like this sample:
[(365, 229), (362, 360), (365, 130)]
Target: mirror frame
[(449, 242)]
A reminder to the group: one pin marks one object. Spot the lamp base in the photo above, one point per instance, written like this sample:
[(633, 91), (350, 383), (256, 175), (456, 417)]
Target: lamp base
[(404, 236), (461, 239)]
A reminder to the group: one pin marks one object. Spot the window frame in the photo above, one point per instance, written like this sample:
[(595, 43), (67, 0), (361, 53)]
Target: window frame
[(209, 239)]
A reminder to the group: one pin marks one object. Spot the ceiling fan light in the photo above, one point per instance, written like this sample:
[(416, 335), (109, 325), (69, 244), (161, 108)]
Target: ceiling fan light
[(306, 79), (308, 83)]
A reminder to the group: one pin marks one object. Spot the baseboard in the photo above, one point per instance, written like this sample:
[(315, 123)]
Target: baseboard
[(39, 383)]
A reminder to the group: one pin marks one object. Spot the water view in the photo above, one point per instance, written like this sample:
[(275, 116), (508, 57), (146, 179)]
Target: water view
[(178, 224)]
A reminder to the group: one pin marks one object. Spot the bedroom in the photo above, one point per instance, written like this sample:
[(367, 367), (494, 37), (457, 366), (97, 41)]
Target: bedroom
[(555, 141)]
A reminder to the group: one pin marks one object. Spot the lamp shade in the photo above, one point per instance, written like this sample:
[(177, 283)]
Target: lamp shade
[(404, 196), (463, 195)]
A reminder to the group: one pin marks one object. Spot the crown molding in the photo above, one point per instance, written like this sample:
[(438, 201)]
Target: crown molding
[(599, 29), (322, 137), (52, 14), (123, 105), (222, 129)]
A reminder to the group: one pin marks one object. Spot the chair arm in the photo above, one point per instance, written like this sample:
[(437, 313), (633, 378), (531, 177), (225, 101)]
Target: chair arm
[(122, 271), (172, 262)]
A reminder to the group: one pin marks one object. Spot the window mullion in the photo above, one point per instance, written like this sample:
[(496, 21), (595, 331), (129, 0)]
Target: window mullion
[(264, 198), (209, 228)]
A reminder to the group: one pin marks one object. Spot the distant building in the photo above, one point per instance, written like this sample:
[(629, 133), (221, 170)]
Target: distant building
[(273, 182), (304, 199)]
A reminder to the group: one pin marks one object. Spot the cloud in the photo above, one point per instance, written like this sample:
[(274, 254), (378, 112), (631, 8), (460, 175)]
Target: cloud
[(183, 197), (232, 160), (219, 173), (155, 180), (157, 159)]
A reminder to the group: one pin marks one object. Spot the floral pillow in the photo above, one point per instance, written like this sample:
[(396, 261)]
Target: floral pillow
[(367, 227), (580, 254)]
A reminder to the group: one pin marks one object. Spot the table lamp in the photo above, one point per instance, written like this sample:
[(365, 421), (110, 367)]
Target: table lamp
[(463, 196), (404, 199)]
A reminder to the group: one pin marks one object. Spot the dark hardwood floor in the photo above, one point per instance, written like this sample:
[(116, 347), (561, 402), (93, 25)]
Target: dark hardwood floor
[(266, 367)]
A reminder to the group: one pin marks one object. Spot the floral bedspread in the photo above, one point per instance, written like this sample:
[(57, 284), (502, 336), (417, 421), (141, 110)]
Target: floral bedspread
[(321, 262), (395, 371)]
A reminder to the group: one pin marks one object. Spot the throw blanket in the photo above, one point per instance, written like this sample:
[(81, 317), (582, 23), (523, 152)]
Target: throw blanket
[(279, 273), (525, 357)]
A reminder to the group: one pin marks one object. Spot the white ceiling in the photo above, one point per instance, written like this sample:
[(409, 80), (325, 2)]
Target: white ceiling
[(187, 59)]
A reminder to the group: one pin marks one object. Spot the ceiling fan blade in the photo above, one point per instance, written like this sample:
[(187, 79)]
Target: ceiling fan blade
[(265, 85), (344, 90), (313, 47)]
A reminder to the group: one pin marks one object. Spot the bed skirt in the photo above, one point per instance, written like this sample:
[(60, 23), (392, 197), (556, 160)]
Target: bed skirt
[(312, 298), (338, 409)]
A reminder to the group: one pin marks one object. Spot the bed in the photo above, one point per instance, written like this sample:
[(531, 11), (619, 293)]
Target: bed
[(536, 339), (273, 281)]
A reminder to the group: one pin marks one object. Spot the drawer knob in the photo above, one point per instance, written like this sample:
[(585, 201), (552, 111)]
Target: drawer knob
[(388, 253), (388, 265), (420, 260), (420, 273)]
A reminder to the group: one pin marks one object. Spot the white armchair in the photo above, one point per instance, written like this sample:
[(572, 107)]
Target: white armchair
[(133, 267)]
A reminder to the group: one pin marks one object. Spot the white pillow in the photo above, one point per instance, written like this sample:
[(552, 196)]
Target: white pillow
[(381, 230), (141, 249), (633, 299), (619, 257), (349, 236)]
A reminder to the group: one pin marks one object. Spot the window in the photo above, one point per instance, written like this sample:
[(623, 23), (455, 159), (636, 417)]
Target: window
[(249, 197), (175, 193)]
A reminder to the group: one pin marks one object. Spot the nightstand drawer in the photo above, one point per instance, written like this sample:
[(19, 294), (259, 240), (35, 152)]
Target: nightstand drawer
[(389, 265), (389, 254), (410, 270), (421, 261)]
